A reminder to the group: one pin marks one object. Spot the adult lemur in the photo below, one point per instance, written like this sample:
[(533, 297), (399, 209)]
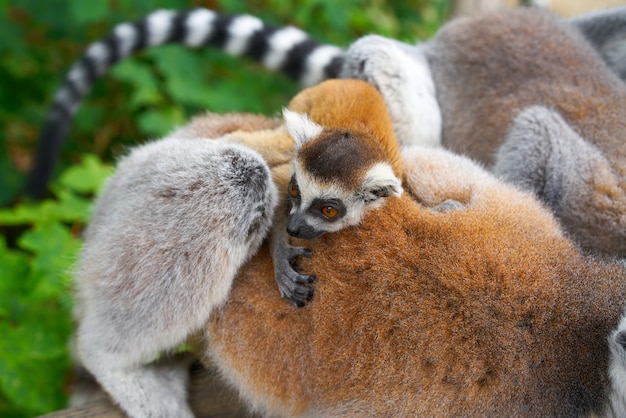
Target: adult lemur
[(483, 80)]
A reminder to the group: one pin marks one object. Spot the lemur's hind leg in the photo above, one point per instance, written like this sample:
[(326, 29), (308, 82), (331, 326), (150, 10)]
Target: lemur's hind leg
[(168, 235), (542, 153), (402, 75), (539, 154)]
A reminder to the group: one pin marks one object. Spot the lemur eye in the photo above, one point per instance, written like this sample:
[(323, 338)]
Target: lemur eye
[(293, 190), (329, 211)]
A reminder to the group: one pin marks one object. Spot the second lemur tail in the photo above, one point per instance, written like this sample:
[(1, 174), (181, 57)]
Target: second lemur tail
[(286, 50)]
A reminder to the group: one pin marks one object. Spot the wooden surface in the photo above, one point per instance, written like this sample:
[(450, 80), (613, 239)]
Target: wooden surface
[(209, 397)]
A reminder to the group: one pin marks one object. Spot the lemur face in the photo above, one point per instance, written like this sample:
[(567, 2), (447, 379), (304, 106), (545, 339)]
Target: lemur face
[(337, 176)]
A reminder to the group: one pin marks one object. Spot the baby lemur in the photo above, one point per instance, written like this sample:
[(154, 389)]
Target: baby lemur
[(181, 216)]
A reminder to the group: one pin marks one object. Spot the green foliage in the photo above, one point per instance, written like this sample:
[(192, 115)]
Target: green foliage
[(142, 97), (35, 306)]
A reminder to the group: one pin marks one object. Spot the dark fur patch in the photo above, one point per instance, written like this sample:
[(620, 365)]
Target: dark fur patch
[(340, 157)]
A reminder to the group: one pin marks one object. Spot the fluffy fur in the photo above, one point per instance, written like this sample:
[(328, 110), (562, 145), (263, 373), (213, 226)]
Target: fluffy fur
[(525, 94), (617, 372), (489, 310), (168, 234)]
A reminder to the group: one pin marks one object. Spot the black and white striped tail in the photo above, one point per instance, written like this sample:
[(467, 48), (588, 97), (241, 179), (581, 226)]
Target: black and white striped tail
[(286, 50)]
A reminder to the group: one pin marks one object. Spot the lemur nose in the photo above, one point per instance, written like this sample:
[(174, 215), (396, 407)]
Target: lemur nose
[(294, 231)]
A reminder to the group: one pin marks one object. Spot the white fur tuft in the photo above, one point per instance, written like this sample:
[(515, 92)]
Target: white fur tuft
[(382, 177), (300, 127)]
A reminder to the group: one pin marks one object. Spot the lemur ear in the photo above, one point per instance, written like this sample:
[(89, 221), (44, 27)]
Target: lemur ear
[(380, 181), (300, 127)]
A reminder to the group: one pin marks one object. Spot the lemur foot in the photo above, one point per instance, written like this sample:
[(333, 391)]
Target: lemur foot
[(449, 205), (293, 285)]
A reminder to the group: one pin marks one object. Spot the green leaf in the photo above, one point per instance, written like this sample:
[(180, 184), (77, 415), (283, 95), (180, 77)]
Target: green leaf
[(160, 122), (88, 11), (33, 383), (55, 251), (46, 211), (87, 177), (146, 89), (13, 281)]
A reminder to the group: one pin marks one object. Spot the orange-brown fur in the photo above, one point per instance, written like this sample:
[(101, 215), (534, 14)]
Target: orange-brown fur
[(485, 311), (488, 310), (353, 106)]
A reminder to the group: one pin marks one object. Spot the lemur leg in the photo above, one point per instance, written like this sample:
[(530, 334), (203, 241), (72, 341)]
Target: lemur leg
[(441, 180), (402, 75), (141, 390), (168, 235), (543, 154)]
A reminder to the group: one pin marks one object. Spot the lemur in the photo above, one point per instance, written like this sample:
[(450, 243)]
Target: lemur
[(287, 50), (181, 215), (489, 310), (167, 236)]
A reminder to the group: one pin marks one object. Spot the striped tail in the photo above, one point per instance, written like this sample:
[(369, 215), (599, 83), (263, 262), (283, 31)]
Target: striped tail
[(287, 50)]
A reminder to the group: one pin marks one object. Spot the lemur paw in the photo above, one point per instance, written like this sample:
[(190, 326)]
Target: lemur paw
[(293, 285), (449, 205)]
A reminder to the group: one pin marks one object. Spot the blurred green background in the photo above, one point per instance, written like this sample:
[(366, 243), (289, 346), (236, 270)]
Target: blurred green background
[(143, 97)]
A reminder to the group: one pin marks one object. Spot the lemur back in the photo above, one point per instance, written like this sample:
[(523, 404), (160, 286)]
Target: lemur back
[(489, 310), (523, 92)]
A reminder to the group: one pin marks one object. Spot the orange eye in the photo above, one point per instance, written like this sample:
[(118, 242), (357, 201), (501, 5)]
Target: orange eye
[(293, 190), (329, 211)]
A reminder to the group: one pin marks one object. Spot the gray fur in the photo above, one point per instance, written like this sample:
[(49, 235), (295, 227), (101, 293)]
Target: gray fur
[(616, 407), (606, 31), (169, 233), (402, 74), (489, 70)]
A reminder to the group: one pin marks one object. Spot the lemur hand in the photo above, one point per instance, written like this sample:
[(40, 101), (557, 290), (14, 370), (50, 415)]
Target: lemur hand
[(294, 286)]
